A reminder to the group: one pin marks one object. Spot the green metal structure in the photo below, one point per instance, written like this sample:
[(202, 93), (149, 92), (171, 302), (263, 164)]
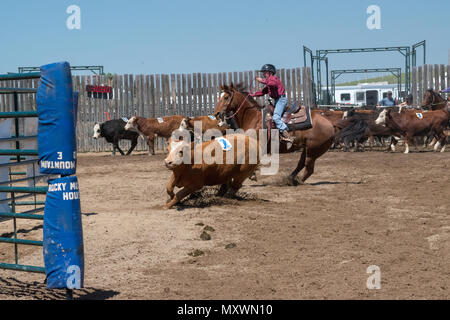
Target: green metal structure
[(321, 55), (32, 209), (314, 59), (94, 69), (414, 52), (397, 72)]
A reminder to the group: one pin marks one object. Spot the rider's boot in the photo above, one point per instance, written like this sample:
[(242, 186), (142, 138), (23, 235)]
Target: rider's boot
[(285, 136)]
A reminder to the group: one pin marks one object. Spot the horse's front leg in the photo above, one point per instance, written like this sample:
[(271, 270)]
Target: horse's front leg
[(292, 179)]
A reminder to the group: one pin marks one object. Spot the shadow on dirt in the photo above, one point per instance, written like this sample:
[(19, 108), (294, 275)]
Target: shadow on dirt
[(335, 182), (287, 182), (11, 287), (207, 198), (21, 231)]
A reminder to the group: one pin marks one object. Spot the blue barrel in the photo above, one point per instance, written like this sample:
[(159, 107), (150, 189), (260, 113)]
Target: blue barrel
[(63, 235), (57, 114)]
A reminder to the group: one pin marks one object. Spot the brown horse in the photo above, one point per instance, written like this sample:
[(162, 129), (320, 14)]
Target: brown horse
[(434, 101), (236, 103)]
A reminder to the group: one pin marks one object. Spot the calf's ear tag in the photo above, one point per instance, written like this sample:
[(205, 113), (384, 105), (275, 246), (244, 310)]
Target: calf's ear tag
[(160, 120), (212, 117), (419, 115), (224, 143), (125, 119)]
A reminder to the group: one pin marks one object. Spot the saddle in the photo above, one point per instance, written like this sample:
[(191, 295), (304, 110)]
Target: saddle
[(296, 117)]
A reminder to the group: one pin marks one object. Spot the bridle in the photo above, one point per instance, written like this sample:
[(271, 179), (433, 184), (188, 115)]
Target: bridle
[(434, 99), (238, 109), (241, 105)]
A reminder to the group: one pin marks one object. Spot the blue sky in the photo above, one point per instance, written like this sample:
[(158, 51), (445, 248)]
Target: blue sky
[(175, 36)]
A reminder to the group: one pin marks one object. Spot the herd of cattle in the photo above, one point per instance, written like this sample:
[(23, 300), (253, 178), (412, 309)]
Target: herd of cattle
[(353, 128)]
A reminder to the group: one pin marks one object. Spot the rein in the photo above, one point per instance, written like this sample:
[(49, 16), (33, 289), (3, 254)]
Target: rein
[(434, 104), (242, 104)]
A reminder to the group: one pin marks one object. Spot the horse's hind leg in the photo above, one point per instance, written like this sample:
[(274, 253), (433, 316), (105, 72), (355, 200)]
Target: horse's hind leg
[(311, 156), (301, 164), (309, 168)]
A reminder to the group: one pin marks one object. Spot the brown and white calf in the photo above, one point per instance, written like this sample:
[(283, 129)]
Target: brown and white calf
[(210, 126), (151, 128), (413, 123), (225, 161)]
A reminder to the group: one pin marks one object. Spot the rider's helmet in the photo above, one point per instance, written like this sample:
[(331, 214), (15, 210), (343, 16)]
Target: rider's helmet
[(268, 67)]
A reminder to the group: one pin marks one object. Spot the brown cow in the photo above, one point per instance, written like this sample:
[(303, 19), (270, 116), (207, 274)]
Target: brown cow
[(334, 116), (413, 123), (191, 176), (151, 128)]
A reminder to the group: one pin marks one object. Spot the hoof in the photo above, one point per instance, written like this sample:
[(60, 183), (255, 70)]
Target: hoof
[(293, 181)]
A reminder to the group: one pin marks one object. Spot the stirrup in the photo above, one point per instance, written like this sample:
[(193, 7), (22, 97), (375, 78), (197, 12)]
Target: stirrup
[(287, 142), (287, 139)]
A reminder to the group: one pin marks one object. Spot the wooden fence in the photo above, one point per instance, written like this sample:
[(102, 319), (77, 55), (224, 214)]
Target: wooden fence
[(187, 94), (436, 77), (155, 96)]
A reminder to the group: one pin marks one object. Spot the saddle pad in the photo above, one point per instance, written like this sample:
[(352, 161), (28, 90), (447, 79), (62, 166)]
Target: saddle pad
[(160, 120), (419, 115)]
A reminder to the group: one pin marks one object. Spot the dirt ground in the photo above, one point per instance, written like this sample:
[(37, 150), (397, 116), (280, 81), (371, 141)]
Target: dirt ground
[(313, 241)]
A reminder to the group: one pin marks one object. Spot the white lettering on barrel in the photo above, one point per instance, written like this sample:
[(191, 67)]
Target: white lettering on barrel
[(74, 186), (57, 187), (71, 195)]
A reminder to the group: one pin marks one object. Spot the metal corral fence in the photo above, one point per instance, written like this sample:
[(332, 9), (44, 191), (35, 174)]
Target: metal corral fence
[(19, 175)]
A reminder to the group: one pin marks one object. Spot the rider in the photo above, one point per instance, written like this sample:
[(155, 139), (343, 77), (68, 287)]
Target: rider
[(408, 103), (276, 91), (388, 101)]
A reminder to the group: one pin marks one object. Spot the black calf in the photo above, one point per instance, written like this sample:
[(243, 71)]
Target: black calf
[(114, 131)]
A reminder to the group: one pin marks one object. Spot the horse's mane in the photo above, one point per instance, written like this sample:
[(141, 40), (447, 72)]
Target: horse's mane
[(434, 93), (242, 88)]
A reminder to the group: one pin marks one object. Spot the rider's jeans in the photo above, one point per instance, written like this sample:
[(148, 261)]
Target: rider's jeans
[(280, 104)]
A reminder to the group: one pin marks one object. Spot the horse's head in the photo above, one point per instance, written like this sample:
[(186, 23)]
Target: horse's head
[(428, 98), (433, 100), (229, 101)]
